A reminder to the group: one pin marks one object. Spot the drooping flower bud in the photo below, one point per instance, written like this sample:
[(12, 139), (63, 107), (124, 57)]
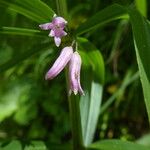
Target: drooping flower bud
[(57, 29), (60, 63), (74, 74)]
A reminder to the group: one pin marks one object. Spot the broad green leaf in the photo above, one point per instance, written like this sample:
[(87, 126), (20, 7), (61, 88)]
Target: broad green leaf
[(10, 103), (90, 103), (144, 140), (5, 55), (21, 31), (13, 145), (16, 145), (38, 7), (93, 58), (35, 10), (106, 15), (141, 33), (117, 145), (142, 6), (24, 55)]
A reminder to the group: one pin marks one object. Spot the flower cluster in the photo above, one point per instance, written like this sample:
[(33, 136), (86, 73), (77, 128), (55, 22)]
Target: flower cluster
[(67, 56), (57, 29)]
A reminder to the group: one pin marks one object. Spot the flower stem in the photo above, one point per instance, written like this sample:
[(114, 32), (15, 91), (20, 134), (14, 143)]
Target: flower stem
[(76, 123), (74, 107), (75, 118)]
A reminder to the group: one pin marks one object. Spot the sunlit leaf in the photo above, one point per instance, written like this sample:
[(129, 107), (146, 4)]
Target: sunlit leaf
[(10, 101), (144, 140), (90, 103), (117, 145), (34, 145), (5, 55), (142, 6), (13, 145)]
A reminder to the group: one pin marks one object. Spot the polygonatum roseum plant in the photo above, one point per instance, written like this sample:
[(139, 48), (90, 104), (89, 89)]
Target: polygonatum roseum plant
[(84, 111), (66, 56)]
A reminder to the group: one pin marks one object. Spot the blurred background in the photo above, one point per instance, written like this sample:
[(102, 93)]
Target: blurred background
[(34, 109)]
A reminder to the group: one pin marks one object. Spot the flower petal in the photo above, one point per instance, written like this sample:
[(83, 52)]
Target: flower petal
[(46, 26), (79, 87), (54, 15), (59, 33), (60, 63), (64, 33), (60, 21), (52, 33), (74, 74), (57, 41)]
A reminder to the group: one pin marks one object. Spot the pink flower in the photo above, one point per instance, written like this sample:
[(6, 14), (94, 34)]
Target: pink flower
[(57, 29), (74, 74), (60, 63)]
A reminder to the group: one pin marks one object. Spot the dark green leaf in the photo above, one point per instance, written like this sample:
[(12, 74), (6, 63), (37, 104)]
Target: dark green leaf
[(141, 32), (128, 79), (106, 15), (33, 9), (22, 56), (52, 146), (21, 31)]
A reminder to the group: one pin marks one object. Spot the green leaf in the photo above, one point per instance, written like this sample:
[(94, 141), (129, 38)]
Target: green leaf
[(22, 56), (62, 8), (21, 31), (144, 140), (106, 15), (13, 145), (90, 103), (35, 10), (36, 145), (141, 33), (92, 57), (5, 55), (142, 6), (10, 103), (16, 145), (117, 145)]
